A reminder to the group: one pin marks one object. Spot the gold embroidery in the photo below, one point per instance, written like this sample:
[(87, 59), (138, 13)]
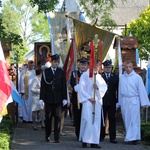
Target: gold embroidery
[(26, 85)]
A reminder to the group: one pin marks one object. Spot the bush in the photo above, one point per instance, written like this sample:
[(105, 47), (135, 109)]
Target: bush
[(6, 130), (145, 132)]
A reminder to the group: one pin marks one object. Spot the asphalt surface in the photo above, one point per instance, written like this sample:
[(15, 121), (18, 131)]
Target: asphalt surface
[(25, 138)]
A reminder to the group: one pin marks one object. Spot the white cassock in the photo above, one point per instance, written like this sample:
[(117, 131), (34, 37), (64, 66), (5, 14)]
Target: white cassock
[(132, 94), (25, 111), (90, 133)]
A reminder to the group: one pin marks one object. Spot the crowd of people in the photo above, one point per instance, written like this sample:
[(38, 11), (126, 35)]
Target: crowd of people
[(92, 101)]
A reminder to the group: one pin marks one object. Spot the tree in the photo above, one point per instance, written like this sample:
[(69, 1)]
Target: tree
[(98, 11), (17, 18), (9, 37), (40, 28), (44, 5), (140, 28)]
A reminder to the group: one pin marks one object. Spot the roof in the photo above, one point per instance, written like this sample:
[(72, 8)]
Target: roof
[(125, 12), (128, 42)]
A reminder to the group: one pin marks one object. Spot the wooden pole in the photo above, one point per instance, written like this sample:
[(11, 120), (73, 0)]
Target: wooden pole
[(75, 63), (95, 73)]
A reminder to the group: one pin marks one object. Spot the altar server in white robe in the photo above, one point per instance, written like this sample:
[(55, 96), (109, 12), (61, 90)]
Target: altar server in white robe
[(26, 77), (90, 132), (132, 96)]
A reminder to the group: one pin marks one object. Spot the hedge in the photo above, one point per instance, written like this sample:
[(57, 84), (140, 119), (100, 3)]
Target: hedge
[(6, 131)]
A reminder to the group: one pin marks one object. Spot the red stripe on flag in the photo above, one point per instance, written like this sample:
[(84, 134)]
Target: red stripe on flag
[(69, 61), (5, 85), (91, 67)]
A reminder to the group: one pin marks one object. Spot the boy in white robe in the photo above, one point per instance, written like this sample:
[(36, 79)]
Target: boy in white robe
[(89, 131), (132, 95)]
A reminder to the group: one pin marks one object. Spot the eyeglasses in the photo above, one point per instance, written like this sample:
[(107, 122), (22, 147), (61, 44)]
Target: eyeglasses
[(108, 67)]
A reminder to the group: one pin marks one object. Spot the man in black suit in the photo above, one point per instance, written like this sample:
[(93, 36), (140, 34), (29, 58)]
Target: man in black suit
[(75, 77), (53, 92), (110, 100)]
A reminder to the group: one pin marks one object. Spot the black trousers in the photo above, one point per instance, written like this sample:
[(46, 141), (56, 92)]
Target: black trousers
[(77, 118), (111, 110), (52, 110)]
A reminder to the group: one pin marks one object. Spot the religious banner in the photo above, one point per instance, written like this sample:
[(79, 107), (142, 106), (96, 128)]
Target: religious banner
[(85, 34), (61, 29)]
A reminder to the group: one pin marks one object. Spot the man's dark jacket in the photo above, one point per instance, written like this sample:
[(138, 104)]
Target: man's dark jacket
[(56, 91), (111, 95)]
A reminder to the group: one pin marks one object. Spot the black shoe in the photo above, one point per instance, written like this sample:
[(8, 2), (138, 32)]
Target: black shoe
[(46, 139), (56, 141), (29, 122), (95, 146), (25, 121), (113, 141), (34, 128), (43, 127), (84, 145), (134, 142)]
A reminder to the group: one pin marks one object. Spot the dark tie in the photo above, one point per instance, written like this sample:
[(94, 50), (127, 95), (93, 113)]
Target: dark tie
[(54, 71), (107, 75)]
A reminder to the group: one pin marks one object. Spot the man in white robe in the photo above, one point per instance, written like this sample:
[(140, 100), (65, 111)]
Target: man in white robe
[(25, 111), (132, 95), (89, 131)]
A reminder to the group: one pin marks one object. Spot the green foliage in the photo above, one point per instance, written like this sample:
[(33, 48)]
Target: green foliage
[(96, 10), (22, 25), (40, 28), (6, 130), (4, 141), (107, 22), (99, 10), (7, 36), (140, 28), (145, 131), (44, 5)]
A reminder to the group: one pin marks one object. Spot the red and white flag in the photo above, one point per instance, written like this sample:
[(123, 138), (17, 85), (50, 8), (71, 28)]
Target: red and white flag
[(5, 85), (69, 61), (92, 59)]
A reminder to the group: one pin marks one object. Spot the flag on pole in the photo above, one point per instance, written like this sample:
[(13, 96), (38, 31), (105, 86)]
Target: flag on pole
[(85, 31), (137, 56), (148, 78), (15, 95), (69, 61), (119, 58), (5, 85), (92, 61)]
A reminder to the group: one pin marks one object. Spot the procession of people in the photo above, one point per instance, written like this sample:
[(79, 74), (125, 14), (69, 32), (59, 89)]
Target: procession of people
[(46, 96)]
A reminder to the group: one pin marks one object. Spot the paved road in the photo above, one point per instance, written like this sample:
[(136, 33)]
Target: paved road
[(25, 138)]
